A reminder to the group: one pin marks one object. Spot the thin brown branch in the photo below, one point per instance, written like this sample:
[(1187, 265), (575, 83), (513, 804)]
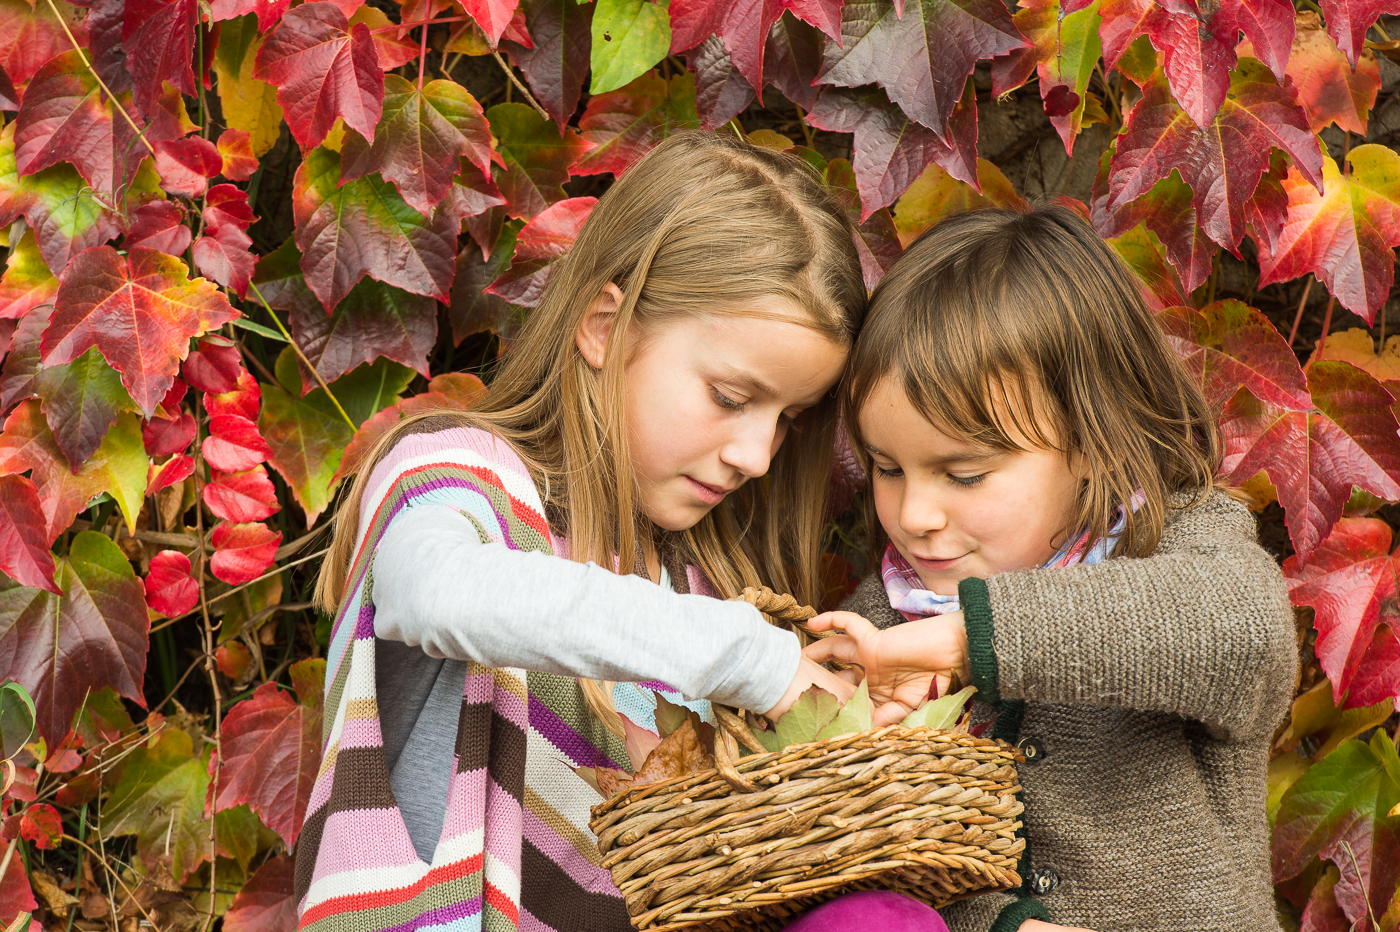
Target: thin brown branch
[(1302, 303), (302, 356), (510, 73), (208, 640), (111, 873)]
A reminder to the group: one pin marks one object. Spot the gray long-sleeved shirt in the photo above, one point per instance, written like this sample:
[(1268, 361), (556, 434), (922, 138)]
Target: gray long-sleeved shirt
[(442, 598)]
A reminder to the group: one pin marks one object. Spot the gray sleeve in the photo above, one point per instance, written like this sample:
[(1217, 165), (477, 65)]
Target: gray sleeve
[(1202, 628), (438, 587)]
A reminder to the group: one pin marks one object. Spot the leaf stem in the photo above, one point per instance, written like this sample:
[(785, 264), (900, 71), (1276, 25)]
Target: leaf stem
[(406, 27), (422, 55), (1375, 926), (1326, 325), (140, 133), (114, 875), (1302, 303), (510, 73), (302, 356)]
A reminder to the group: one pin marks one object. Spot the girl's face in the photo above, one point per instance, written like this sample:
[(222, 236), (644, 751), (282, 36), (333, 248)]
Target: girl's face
[(710, 400), (955, 510)]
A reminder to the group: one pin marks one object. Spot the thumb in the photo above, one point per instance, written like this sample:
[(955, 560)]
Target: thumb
[(891, 713)]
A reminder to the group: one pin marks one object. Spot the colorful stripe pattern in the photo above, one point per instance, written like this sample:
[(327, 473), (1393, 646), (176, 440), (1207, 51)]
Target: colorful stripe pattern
[(515, 852)]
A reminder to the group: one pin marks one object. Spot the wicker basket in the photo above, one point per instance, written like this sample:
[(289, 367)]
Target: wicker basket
[(757, 840)]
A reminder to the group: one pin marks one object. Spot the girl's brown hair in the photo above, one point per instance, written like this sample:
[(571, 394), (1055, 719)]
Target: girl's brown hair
[(1002, 324), (704, 224)]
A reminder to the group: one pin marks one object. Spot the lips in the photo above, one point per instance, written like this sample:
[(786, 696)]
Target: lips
[(936, 563), (711, 494)]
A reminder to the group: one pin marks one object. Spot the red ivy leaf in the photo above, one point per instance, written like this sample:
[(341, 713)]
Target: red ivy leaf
[(178, 469), (1345, 235), (225, 258), (139, 311), (743, 26), (24, 546), (1330, 89), (28, 38), (473, 308), (624, 125), (721, 92), (226, 205), (234, 443), (557, 65), (792, 58), (158, 37), (66, 117), (170, 588), (1348, 581), (22, 363), (267, 902), (159, 225), (543, 241), (236, 148), (421, 137), (891, 150), (270, 13), (242, 553), (493, 16), (537, 158), (27, 282), (348, 230), (61, 647), (1167, 210), (923, 58), (164, 436), (186, 165), (374, 320), (449, 390), (214, 366), (243, 400), (233, 659), (1348, 20), (1222, 163), (1229, 344), (323, 69), (41, 825), (1377, 676), (242, 496), (271, 751), (1315, 457), (877, 241)]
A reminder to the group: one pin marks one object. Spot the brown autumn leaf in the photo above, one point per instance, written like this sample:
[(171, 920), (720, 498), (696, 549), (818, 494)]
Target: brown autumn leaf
[(679, 753)]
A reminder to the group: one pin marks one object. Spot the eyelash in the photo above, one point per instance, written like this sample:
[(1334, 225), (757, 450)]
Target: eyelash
[(966, 482), (729, 404)]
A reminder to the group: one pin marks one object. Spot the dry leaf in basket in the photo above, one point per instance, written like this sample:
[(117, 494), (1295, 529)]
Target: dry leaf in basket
[(686, 745)]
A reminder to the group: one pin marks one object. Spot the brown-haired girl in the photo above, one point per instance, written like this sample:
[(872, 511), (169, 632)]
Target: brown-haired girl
[(1042, 471), (494, 573)]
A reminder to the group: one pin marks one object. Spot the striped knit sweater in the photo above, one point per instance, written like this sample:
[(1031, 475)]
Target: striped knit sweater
[(515, 851)]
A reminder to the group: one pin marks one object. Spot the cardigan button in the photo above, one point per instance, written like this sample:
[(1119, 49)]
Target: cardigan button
[(1031, 748), (1044, 880)]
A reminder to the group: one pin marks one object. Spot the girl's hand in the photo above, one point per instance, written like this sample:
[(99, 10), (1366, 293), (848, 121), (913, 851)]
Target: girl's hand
[(900, 662), (811, 674), (1036, 925)]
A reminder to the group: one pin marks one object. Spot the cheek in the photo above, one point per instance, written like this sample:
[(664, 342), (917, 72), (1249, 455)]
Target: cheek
[(887, 502)]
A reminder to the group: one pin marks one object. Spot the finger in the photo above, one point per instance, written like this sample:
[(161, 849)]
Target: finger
[(891, 713), (841, 649), (851, 675), (849, 622)]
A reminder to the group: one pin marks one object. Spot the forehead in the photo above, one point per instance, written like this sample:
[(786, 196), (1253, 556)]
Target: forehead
[(990, 425)]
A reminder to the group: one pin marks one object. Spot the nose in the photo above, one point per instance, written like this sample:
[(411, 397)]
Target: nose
[(751, 447), (921, 511)]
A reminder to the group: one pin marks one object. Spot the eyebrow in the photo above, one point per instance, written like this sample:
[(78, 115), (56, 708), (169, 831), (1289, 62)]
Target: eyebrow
[(943, 460), (753, 382)]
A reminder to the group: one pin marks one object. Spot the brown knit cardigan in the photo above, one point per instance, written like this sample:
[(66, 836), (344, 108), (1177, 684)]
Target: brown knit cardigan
[(1144, 693)]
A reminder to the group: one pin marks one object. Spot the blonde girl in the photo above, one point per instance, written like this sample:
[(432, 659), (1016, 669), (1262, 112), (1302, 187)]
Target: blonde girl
[(495, 574), (1041, 467)]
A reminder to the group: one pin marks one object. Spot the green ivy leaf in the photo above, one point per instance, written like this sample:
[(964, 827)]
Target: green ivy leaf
[(940, 713), (629, 36), (16, 718), (812, 712), (856, 715)]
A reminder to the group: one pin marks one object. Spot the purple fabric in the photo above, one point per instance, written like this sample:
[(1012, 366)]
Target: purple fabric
[(869, 911)]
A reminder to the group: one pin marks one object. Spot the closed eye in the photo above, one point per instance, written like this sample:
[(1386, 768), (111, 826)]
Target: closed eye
[(724, 401), (968, 481), (883, 473)]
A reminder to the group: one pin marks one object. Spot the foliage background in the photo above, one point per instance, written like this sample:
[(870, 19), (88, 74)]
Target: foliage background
[(243, 237)]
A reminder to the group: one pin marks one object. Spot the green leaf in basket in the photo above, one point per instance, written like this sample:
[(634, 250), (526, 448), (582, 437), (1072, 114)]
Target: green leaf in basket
[(812, 712), (769, 739), (669, 716), (855, 716), (940, 713)]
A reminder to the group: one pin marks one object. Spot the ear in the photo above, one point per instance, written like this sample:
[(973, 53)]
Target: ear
[(1079, 465), (592, 334)]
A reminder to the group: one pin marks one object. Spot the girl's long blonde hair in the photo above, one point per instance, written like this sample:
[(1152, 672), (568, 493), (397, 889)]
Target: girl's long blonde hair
[(1003, 326), (704, 224)]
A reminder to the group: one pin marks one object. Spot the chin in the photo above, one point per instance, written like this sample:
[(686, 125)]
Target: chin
[(678, 517)]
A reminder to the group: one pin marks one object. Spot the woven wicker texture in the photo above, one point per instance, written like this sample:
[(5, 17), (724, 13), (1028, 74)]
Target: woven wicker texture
[(754, 842)]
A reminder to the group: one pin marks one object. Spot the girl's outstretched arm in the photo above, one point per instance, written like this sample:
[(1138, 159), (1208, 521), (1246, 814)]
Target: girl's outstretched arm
[(438, 587), (1202, 628)]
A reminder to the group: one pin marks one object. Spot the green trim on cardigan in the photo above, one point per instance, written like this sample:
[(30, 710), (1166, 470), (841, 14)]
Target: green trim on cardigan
[(1010, 713), (1017, 912), (981, 636)]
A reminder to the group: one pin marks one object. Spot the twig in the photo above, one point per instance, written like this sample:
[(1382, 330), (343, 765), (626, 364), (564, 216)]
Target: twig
[(422, 66), (1326, 325), (115, 876), (116, 104), (180, 682), (1302, 303), (1375, 926), (510, 73), (183, 541), (252, 582), (286, 550), (9, 853), (402, 28), (302, 356)]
